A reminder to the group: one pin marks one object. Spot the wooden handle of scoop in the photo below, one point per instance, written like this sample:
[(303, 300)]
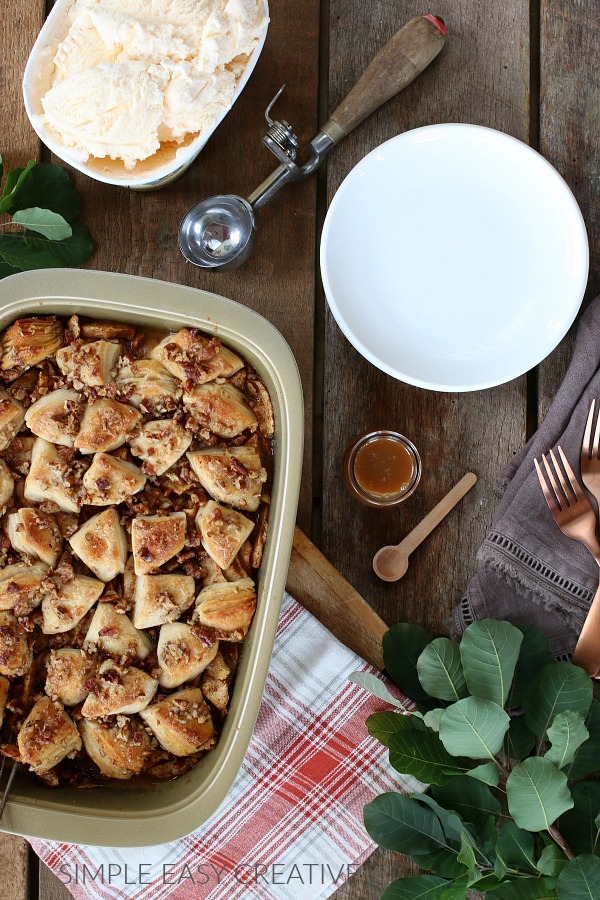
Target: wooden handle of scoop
[(395, 66)]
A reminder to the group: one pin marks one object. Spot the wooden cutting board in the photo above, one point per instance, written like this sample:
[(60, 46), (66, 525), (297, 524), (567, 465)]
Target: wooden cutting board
[(320, 588)]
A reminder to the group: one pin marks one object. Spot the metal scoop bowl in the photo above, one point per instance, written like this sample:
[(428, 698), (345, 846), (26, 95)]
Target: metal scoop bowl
[(217, 233)]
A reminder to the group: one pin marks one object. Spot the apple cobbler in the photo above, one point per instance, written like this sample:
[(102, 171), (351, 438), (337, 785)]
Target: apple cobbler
[(134, 495)]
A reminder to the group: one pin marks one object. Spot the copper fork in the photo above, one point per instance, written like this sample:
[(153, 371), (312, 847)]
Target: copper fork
[(590, 455), (569, 507), (575, 518)]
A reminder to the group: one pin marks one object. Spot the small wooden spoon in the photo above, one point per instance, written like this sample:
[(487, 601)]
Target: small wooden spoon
[(391, 562)]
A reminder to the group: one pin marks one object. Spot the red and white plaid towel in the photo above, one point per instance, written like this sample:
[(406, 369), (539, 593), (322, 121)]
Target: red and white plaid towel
[(291, 827)]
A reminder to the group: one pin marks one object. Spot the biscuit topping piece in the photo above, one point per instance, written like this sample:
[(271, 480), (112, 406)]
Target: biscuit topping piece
[(67, 606), (120, 746), (195, 358), (227, 608), (48, 735), (160, 444), (101, 544), (183, 652), (35, 533), (12, 416), (106, 424), (118, 689), (28, 342), (156, 539), (89, 364), (67, 672), (181, 722), (55, 416), (16, 655), (223, 531), (109, 480), (221, 409), (112, 634), (231, 476), (159, 599), (50, 478)]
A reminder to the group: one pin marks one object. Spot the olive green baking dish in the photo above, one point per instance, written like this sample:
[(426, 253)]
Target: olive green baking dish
[(129, 816)]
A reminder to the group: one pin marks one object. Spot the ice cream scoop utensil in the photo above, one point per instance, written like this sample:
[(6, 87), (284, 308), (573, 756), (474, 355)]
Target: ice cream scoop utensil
[(391, 562), (217, 233)]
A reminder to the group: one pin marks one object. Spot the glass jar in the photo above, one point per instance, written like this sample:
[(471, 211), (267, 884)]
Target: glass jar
[(381, 468)]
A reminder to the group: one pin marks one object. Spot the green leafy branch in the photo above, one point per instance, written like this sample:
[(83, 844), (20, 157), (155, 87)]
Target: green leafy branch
[(40, 204), (504, 736)]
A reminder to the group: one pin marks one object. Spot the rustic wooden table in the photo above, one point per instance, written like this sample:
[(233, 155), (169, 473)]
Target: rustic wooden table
[(526, 67)]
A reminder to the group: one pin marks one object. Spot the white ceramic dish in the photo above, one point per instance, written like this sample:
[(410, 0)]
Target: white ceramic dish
[(454, 257), (159, 170)]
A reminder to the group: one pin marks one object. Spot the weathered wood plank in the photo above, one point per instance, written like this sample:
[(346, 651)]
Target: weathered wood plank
[(481, 76), (13, 866), (51, 888), (569, 136)]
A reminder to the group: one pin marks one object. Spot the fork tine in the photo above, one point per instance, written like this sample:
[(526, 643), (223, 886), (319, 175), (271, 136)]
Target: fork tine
[(550, 498), (596, 438), (575, 486), (586, 443), (561, 497)]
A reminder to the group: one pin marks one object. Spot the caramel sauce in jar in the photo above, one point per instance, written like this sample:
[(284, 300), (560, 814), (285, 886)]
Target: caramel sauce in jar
[(381, 468)]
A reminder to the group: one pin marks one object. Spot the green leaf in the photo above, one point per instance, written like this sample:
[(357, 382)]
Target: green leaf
[(472, 800), (588, 755), (398, 822), (551, 861), (520, 739), (50, 187), (417, 887), (422, 755), (535, 653), (378, 688), (579, 826), (382, 725), (72, 251), (22, 253), (44, 221), (450, 821), (514, 850), (566, 734), (440, 670), (487, 772), (537, 794), (474, 728), (580, 879), (489, 651), (467, 855), (526, 889), (402, 646), (432, 718), (558, 688), (16, 180), (6, 270), (487, 882)]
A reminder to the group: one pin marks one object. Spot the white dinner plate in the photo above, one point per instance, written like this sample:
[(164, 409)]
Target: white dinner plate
[(454, 257)]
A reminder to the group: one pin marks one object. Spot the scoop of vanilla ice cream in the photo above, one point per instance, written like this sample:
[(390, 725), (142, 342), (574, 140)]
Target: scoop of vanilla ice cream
[(112, 109), (194, 100), (130, 74)]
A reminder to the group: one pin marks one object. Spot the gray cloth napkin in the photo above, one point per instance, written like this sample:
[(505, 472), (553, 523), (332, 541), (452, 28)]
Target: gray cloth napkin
[(528, 571)]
